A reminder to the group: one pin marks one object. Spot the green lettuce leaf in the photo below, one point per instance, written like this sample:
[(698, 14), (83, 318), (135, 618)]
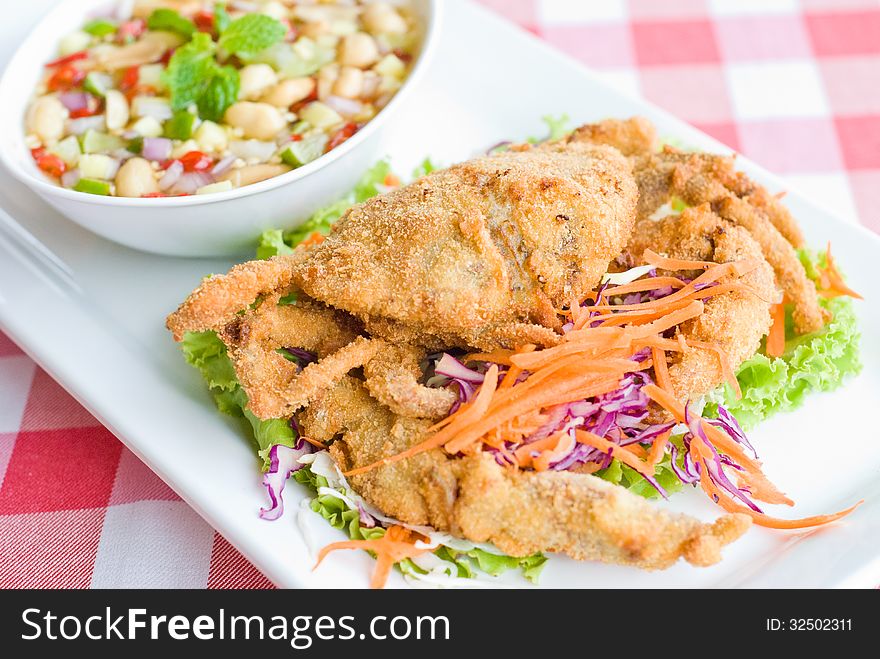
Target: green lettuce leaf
[(275, 242), (340, 516), (820, 361), (620, 474), (206, 352), (558, 128)]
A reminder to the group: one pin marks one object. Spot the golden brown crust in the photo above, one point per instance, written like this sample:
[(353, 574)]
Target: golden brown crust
[(219, 298), (699, 178), (393, 379), (633, 136), (734, 321), (583, 516), (273, 383), (520, 512), (490, 242)]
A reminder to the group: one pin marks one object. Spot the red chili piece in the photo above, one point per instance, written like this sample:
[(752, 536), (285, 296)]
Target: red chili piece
[(341, 135), (66, 77), (196, 161)]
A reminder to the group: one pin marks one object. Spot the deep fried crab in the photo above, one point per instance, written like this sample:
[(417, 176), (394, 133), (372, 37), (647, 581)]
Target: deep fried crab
[(479, 255), (492, 254)]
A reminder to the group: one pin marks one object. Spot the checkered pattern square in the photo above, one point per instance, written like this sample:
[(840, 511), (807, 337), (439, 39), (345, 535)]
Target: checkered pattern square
[(791, 84)]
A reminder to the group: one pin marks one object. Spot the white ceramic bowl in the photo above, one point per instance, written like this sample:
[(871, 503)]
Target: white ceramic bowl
[(221, 224)]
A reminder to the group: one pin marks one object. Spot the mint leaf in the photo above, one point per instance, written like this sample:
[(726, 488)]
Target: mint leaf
[(193, 76), (189, 70), (221, 18), (220, 93), (170, 21), (251, 33)]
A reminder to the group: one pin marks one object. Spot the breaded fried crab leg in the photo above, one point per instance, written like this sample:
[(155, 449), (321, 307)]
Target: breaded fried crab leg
[(733, 322), (520, 512), (699, 178)]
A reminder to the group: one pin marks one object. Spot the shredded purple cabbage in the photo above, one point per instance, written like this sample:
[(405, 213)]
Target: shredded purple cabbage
[(283, 461), (302, 357), (620, 416)]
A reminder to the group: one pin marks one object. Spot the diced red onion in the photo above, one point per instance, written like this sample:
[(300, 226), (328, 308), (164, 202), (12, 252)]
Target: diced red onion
[(171, 176), (365, 518), (453, 368), (152, 106), (70, 178), (81, 125), (283, 461), (345, 106), (223, 165), (75, 100), (248, 149), (157, 148), (189, 182)]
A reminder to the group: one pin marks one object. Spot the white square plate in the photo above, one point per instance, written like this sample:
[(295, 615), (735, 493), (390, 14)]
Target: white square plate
[(91, 313)]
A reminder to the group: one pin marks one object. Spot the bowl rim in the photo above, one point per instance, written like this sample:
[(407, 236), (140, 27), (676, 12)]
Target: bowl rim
[(433, 18)]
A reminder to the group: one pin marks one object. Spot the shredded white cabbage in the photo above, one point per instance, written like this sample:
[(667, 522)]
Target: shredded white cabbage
[(664, 211), (440, 572), (618, 278)]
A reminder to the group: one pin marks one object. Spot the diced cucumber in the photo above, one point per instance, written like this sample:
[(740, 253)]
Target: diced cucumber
[(392, 66), (97, 83), (220, 186), (97, 165), (297, 154), (300, 127), (95, 141), (100, 27), (320, 115), (68, 150), (151, 75), (74, 42), (92, 186), (180, 126)]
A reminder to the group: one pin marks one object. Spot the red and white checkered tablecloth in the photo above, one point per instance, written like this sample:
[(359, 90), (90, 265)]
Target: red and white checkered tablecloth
[(794, 85)]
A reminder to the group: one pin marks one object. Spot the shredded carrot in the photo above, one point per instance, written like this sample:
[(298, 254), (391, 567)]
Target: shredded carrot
[(641, 285), (591, 360), (313, 442), (761, 488), (831, 282), (653, 258), (564, 442), (397, 544), (496, 357), (314, 238), (761, 519), (615, 451), (776, 337), (658, 448), (392, 181), (723, 362)]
